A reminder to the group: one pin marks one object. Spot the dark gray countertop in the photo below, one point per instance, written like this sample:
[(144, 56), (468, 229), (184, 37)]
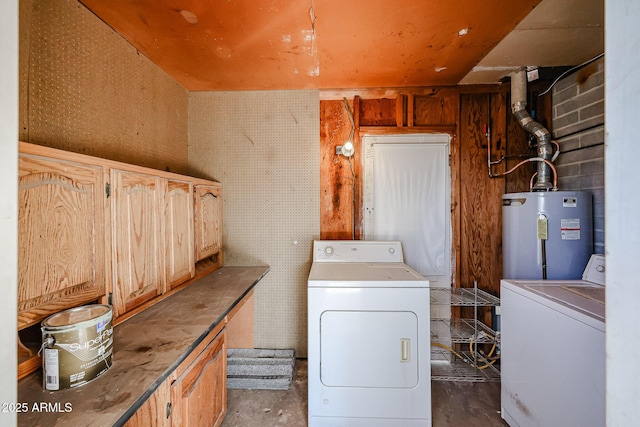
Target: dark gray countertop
[(147, 348)]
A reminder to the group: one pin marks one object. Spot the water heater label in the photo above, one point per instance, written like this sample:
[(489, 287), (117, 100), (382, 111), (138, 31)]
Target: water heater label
[(569, 202), (570, 228)]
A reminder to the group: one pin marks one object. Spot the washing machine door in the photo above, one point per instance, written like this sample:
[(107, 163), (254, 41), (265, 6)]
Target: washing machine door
[(369, 349)]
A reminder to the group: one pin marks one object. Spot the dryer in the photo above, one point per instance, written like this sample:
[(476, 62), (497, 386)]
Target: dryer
[(368, 330)]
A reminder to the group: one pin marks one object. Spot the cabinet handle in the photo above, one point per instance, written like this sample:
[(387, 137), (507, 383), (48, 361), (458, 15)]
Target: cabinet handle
[(169, 409), (405, 350)]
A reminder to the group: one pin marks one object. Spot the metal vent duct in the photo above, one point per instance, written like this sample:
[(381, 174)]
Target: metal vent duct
[(518, 107)]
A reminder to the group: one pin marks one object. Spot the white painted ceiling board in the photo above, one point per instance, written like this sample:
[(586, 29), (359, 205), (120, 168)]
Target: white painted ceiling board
[(555, 33)]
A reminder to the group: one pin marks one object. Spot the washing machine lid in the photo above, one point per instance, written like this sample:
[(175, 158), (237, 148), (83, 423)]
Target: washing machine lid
[(586, 296), (582, 296), (356, 274), (568, 295)]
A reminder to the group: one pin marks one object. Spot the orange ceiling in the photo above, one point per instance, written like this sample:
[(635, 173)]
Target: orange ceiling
[(324, 44)]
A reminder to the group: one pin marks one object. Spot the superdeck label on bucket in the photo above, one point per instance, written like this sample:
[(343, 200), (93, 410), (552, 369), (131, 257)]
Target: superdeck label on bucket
[(78, 346)]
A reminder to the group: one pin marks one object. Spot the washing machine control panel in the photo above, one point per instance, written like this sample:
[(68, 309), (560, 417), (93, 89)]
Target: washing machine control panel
[(357, 251), (595, 270)]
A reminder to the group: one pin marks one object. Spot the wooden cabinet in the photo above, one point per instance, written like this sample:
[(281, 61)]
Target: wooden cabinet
[(208, 220), (171, 356), (61, 243), (137, 232), (156, 411), (179, 224), (194, 395), (199, 394), (91, 228)]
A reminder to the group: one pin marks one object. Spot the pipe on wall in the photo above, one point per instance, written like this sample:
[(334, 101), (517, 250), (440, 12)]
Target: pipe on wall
[(543, 137)]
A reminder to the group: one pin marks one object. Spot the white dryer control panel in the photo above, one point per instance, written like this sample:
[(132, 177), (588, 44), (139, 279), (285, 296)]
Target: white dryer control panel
[(357, 251)]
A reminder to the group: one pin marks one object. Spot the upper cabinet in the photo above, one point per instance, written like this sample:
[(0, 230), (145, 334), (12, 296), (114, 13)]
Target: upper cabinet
[(61, 243), (179, 238), (208, 220), (90, 228), (138, 243)]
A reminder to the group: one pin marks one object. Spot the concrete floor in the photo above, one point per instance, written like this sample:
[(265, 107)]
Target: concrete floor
[(454, 404)]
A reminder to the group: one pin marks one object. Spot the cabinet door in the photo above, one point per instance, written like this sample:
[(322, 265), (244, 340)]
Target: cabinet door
[(138, 247), (156, 411), (208, 213), (179, 232), (60, 241), (199, 395)]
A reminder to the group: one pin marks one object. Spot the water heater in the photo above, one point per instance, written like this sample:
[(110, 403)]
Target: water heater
[(546, 235)]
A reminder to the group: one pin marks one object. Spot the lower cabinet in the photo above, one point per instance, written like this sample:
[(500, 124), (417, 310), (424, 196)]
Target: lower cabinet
[(199, 395), (194, 395), (156, 411)]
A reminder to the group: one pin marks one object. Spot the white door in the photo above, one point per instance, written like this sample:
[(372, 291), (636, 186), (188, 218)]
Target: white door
[(407, 198)]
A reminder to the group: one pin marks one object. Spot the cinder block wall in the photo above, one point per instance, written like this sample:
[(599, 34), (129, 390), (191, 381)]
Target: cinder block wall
[(578, 126)]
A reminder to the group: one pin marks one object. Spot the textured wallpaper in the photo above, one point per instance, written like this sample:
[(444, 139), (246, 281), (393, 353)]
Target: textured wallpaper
[(264, 149), (84, 88)]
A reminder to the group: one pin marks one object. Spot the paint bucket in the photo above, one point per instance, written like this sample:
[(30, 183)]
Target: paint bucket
[(77, 345)]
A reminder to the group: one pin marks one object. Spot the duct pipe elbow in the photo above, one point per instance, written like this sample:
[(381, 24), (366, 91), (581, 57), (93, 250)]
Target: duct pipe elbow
[(527, 123)]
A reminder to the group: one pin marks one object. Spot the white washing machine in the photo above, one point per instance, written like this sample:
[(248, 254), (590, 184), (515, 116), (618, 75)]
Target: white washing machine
[(553, 350), (368, 350)]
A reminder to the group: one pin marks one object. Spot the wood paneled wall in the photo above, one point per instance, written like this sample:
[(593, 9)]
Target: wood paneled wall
[(337, 190), (481, 122), (474, 117)]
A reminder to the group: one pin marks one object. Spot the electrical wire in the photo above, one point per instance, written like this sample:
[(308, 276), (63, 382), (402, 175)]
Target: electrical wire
[(353, 124), (353, 174), (533, 159), (353, 200), (569, 71), (557, 153)]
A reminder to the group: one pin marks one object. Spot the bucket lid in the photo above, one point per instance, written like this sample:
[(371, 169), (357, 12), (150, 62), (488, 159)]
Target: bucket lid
[(76, 315)]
